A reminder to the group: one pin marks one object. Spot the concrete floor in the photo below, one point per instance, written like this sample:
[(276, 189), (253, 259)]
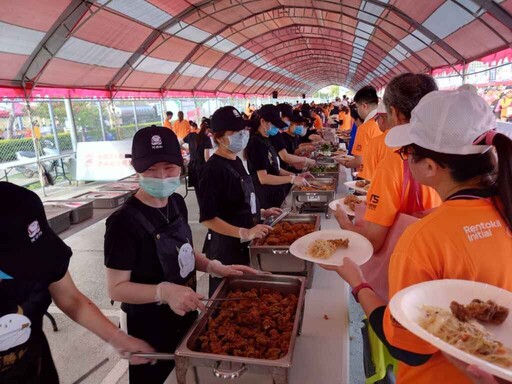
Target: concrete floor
[(82, 357)]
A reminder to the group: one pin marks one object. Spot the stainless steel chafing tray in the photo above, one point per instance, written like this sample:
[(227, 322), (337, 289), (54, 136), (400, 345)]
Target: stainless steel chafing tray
[(278, 259), (187, 355), (105, 199), (58, 216), (129, 186), (80, 209), (321, 198), (332, 170)]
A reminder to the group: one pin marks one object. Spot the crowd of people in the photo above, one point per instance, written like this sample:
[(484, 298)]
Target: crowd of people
[(436, 166)]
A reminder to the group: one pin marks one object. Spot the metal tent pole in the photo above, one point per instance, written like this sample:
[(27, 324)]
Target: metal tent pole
[(71, 119), (54, 128), (102, 123), (36, 149), (135, 120)]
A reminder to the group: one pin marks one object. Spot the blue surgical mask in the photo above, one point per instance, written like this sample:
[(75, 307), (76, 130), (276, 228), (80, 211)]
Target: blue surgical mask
[(159, 188), (238, 141), (299, 129), (273, 130)]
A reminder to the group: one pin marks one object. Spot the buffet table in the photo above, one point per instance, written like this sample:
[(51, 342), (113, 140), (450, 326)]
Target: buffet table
[(322, 350)]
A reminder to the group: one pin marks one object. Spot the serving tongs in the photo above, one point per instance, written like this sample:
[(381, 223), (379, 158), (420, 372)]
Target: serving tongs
[(151, 356), (271, 222)]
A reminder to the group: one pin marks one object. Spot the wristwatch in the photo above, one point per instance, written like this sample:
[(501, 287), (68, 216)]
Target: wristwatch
[(356, 289)]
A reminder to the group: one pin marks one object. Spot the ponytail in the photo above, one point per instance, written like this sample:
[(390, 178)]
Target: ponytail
[(503, 147), (254, 122)]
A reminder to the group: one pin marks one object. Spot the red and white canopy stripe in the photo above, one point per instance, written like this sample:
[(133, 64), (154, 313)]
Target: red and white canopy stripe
[(240, 46)]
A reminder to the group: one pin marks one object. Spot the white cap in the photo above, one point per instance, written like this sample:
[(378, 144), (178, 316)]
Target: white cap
[(446, 122)]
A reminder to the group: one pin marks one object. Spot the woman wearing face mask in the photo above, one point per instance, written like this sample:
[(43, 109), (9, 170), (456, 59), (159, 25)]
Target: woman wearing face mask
[(199, 147), (149, 253), (228, 204), (262, 159)]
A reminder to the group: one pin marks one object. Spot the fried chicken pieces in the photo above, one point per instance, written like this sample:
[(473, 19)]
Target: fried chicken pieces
[(487, 312), (351, 201), (260, 328), (285, 233)]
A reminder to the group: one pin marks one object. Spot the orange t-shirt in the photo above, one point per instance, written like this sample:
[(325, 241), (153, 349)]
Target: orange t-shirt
[(365, 133), (385, 193), (462, 239), (167, 123), (181, 128), (376, 150), (347, 121), (318, 122)]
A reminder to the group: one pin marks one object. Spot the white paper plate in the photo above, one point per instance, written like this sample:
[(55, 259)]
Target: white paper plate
[(359, 249), (339, 202), (406, 307), (352, 185), (343, 157)]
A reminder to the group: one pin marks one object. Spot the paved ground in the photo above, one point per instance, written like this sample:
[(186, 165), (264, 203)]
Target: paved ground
[(83, 358)]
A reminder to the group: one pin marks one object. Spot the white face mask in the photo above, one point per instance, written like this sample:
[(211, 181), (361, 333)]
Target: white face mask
[(238, 141)]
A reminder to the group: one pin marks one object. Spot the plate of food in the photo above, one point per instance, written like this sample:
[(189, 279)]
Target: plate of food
[(343, 157), (331, 246), (348, 203), (358, 185), (465, 319)]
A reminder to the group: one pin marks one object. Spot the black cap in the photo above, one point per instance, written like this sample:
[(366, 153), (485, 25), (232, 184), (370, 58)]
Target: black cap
[(298, 117), (206, 121), (29, 249), (270, 113), (285, 109), (227, 118), (153, 145)]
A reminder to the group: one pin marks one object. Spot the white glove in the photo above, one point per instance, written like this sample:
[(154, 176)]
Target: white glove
[(256, 232), (299, 180), (181, 299), (216, 269), (125, 345)]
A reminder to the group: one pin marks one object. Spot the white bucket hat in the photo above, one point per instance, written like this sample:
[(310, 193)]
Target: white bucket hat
[(446, 122)]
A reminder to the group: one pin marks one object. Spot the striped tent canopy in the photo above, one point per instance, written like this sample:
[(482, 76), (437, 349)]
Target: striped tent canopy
[(231, 47)]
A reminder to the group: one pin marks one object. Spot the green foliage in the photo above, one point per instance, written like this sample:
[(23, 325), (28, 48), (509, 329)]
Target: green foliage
[(8, 148)]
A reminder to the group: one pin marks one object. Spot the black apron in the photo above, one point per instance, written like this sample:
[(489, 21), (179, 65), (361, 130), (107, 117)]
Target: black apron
[(158, 324), (229, 250), (270, 195)]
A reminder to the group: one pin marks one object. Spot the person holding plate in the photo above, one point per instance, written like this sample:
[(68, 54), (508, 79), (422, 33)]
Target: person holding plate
[(450, 145)]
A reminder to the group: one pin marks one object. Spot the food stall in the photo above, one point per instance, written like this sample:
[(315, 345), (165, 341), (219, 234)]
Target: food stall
[(320, 354)]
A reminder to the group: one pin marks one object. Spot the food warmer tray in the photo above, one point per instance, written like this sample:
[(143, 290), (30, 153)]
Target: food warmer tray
[(320, 199), (335, 173), (278, 259), (131, 187), (105, 199), (81, 210), (130, 179), (187, 354), (58, 217)]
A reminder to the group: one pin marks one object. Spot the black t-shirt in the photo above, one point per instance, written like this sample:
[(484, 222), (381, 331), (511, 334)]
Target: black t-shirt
[(129, 247), (261, 155), (305, 138), (33, 298), (220, 191), (278, 142), (197, 147), (291, 142)]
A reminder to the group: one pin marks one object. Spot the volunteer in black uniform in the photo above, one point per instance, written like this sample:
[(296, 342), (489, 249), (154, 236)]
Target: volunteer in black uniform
[(199, 145), (262, 160), (149, 253), (311, 135), (289, 161), (295, 131), (33, 272), (228, 204)]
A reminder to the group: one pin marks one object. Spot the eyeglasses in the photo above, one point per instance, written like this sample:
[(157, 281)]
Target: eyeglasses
[(404, 153)]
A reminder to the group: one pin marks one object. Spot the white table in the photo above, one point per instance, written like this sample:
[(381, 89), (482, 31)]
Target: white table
[(321, 353)]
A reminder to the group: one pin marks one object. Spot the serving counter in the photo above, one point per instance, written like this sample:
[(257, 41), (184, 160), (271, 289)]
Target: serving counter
[(321, 352)]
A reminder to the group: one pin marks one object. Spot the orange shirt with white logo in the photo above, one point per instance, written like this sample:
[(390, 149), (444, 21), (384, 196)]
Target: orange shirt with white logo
[(376, 150), (384, 198), (167, 123), (181, 128), (365, 133), (462, 239)]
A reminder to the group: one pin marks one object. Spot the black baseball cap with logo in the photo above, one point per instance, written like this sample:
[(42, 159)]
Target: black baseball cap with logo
[(298, 117), (227, 118), (285, 109), (271, 113), (30, 250), (153, 145)]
